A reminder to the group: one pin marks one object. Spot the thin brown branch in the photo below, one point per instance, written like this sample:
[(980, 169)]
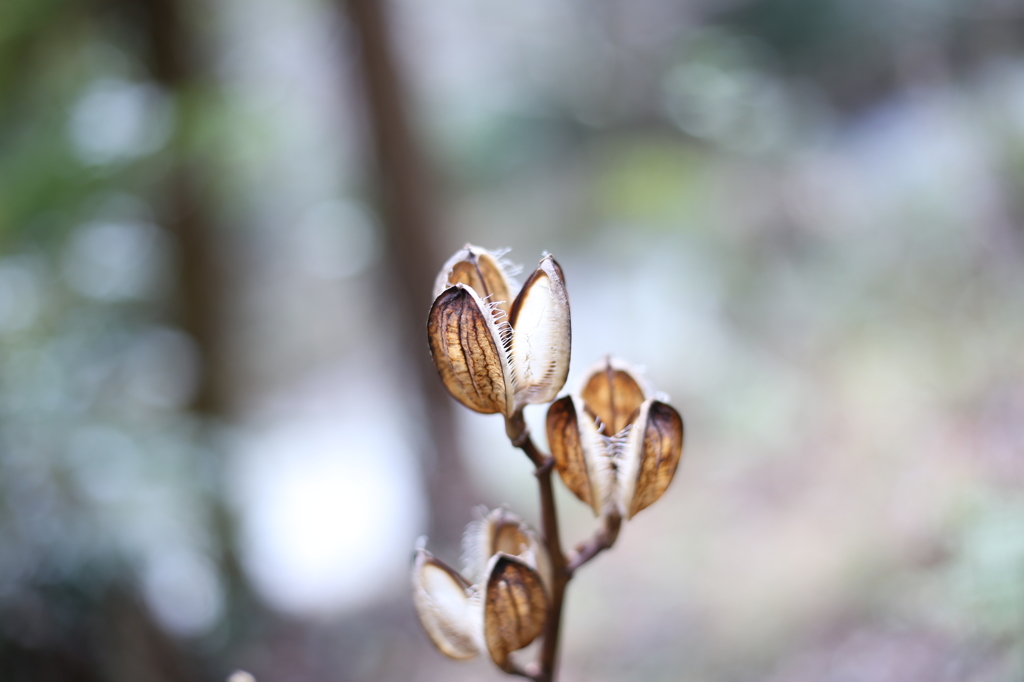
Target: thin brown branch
[(603, 539), (562, 568), (559, 574), (520, 436), (201, 270)]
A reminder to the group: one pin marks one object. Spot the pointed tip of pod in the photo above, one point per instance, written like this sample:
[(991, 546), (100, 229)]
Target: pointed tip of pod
[(549, 265)]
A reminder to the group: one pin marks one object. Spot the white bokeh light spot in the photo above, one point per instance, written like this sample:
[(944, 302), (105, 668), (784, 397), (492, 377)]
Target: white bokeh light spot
[(329, 515), (119, 120)]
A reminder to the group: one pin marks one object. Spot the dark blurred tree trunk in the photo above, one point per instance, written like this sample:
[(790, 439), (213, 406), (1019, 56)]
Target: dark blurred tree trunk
[(133, 647), (80, 636), (200, 271), (200, 279), (405, 200)]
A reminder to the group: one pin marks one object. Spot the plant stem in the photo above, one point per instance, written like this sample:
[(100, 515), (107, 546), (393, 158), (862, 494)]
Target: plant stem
[(559, 574), (562, 569), (521, 438), (603, 539)]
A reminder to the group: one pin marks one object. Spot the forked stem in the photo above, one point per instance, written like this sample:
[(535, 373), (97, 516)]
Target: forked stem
[(561, 568), (559, 574), (603, 539)]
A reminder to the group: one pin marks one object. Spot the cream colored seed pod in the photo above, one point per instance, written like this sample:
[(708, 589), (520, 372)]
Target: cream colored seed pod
[(499, 605), (447, 605)]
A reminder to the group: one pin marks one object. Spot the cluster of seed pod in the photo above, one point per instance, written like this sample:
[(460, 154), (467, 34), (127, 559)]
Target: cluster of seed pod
[(498, 604), (495, 356), (614, 443)]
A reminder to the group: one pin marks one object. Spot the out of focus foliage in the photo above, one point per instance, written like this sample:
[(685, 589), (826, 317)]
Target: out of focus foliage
[(105, 486)]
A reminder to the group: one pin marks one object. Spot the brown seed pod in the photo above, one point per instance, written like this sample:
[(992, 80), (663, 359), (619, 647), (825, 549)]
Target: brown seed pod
[(652, 457), (481, 271), (496, 357), (515, 608), (613, 395), (567, 450), (499, 531), (615, 447), (466, 346)]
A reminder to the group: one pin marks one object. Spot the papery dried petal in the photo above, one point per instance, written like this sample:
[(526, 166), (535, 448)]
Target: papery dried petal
[(563, 429), (481, 270), (652, 454), (515, 608), (466, 344), (445, 606), (613, 394), (542, 335)]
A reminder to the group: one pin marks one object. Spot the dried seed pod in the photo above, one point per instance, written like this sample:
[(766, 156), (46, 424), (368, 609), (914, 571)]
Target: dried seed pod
[(576, 469), (515, 608), (613, 445), (494, 357), (447, 606), (651, 456), (481, 270), (613, 395), (541, 336), (466, 344), (499, 531)]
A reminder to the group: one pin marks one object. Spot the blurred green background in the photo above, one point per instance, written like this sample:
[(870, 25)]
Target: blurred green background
[(219, 224)]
